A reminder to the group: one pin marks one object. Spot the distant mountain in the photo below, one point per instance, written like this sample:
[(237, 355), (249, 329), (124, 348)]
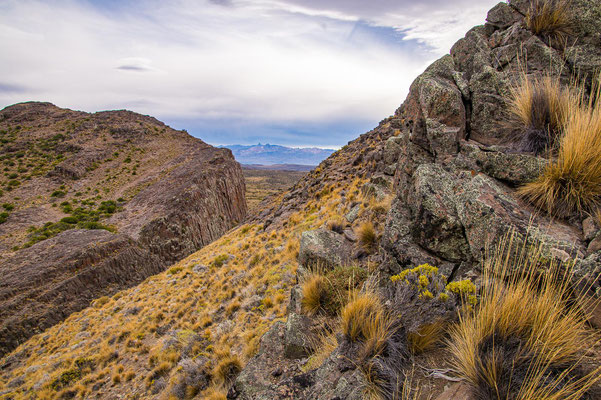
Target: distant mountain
[(269, 154), (279, 167)]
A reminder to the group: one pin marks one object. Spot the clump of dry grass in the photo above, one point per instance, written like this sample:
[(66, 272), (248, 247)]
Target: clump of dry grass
[(426, 337), (336, 225), (367, 235), (214, 394), (550, 19), (314, 293), (572, 182), (226, 370), (522, 340), (540, 106), (368, 327), (364, 319), (328, 291), (378, 388)]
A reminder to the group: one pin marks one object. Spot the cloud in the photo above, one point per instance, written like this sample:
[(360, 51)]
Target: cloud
[(135, 64), (436, 23), (260, 63), (9, 88)]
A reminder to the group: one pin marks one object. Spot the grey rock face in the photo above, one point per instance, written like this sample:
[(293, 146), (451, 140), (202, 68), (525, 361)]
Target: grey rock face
[(296, 338), (324, 248)]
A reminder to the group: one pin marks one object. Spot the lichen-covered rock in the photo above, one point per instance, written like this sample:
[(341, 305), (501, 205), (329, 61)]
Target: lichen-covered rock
[(323, 248), (298, 328), (432, 201), (511, 168), (436, 109)]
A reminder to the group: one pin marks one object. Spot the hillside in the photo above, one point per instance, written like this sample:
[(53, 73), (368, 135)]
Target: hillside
[(270, 154), (413, 263), (94, 203), (215, 303)]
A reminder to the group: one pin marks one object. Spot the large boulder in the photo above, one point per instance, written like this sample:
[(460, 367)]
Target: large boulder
[(323, 248)]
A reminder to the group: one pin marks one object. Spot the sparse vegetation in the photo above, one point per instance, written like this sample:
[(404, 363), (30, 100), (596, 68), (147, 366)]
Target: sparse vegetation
[(81, 217)]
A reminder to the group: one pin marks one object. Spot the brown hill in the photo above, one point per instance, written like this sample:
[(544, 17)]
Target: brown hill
[(94, 203)]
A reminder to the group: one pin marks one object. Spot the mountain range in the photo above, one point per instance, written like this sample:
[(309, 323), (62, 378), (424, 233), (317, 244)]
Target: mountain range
[(270, 154)]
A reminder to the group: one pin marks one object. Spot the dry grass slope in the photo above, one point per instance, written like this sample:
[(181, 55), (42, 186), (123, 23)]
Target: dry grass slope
[(205, 310)]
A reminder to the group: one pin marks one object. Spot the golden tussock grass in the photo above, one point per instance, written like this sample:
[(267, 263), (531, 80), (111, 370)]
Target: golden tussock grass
[(550, 18), (571, 183), (336, 225), (226, 370), (523, 340), (365, 320), (427, 337), (541, 106), (315, 291), (367, 235)]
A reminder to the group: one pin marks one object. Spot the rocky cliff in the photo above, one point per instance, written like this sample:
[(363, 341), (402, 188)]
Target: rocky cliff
[(95, 203)]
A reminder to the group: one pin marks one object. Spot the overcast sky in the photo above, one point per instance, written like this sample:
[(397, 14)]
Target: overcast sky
[(292, 72)]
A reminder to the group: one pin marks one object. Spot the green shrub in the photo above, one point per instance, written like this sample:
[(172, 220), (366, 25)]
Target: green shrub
[(220, 260), (8, 206), (66, 378)]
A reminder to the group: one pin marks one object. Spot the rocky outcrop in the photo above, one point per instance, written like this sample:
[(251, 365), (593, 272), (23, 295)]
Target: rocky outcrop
[(455, 178), (171, 194), (324, 248), (457, 171)]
